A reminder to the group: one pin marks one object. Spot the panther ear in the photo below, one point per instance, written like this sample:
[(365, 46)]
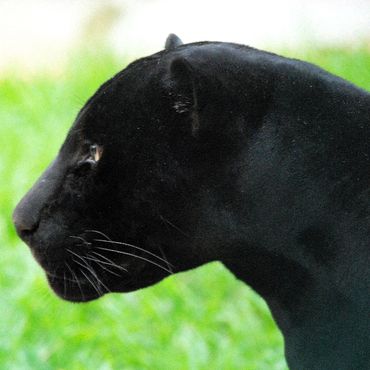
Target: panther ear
[(186, 85), (172, 42)]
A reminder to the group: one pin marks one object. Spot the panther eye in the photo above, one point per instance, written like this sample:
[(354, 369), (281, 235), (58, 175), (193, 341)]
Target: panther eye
[(96, 152)]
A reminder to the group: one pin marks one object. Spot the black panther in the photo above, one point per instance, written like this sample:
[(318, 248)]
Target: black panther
[(217, 151)]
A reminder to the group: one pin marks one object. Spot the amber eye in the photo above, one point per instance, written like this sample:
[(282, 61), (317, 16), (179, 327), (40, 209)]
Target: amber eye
[(96, 152)]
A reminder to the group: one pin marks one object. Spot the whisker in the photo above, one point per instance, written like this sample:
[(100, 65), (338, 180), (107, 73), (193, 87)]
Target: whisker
[(135, 256), (77, 281), (100, 263), (165, 258), (91, 282), (107, 269), (75, 254), (64, 284), (109, 260), (89, 268), (174, 226), (54, 276), (79, 263), (99, 281), (80, 238), (109, 240), (132, 246), (98, 232)]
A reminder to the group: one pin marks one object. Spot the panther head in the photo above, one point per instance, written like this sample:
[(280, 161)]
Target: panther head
[(113, 211)]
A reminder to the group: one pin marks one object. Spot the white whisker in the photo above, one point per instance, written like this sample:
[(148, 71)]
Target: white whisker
[(174, 226), (91, 282), (110, 261), (165, 258), (64, 284), (80, 238), (135, 256), (132, 246), (89, 268), (98, 232), (99, 281), (54, 276), (76, 278), (101, 264)]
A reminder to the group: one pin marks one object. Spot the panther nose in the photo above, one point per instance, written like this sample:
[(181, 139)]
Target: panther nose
[(27, 214), (24, 222)]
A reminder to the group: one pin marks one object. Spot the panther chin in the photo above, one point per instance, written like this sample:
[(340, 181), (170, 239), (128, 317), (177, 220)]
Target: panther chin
[(72, 291), (85, 290)]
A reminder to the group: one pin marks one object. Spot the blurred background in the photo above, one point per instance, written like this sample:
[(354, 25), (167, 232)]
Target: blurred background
[(53, 55), (39, 34)]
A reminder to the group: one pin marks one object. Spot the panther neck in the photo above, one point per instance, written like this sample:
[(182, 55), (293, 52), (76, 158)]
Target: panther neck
[(322, 328)]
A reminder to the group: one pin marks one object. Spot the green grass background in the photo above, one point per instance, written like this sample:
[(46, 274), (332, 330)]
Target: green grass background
[(202, 319)]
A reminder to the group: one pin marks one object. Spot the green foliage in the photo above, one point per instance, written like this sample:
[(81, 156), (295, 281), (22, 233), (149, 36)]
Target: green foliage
[(203, 319)]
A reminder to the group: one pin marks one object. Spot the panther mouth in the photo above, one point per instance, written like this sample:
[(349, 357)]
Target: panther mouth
[(85, 266), (92, 267)]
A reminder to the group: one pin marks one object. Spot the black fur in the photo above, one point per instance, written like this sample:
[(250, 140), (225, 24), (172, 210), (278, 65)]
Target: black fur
[(217, 151)]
